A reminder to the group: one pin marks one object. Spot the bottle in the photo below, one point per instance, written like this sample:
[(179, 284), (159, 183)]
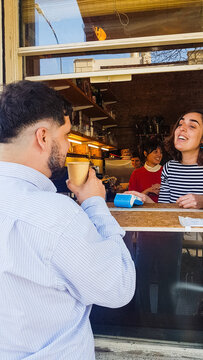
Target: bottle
[(99, 98)]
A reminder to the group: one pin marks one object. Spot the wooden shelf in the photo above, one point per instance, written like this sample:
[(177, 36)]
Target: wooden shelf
[(81, 101), (76, 155), (107, 95), (76, 135)]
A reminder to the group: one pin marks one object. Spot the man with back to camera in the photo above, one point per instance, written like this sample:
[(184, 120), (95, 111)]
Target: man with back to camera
[(56, 258)]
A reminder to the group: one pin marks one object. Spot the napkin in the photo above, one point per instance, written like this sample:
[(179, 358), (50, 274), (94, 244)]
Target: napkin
[(188, 222)]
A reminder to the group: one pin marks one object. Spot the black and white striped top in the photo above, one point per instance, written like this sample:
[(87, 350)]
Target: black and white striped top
[(178, 180)]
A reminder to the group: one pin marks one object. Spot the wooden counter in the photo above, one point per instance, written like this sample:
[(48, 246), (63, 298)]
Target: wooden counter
[(154, 217)]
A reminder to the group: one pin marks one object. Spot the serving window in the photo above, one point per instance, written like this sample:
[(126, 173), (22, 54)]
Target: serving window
[(70, 39)]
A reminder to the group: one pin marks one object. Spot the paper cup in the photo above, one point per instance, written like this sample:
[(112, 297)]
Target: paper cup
[(78, 172)]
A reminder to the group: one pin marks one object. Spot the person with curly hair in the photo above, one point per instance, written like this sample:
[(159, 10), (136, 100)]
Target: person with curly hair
[(181, 183)]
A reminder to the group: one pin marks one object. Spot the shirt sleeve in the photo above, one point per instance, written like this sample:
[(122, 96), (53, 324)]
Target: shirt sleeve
[(133, 181), (164, 194), (91, 259)]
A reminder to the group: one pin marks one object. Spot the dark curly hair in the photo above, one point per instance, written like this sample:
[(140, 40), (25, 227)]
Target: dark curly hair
[(169, 141), (24, 103)]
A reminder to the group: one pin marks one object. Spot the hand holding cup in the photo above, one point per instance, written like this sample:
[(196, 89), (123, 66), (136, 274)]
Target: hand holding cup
[(92, 187)]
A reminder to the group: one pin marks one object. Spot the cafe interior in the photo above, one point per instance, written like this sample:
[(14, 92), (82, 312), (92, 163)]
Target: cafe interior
[(130, 69)]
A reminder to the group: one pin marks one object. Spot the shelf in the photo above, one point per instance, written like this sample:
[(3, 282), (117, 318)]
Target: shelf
[(76, 155), (76, 135), (107, 95), (81, 101), (73, 155)]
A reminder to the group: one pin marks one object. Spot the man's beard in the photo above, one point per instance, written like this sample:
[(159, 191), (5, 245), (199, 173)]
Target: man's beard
[(56, 161)]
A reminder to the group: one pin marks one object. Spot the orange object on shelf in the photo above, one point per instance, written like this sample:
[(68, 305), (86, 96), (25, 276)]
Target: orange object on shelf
[(100, 33)]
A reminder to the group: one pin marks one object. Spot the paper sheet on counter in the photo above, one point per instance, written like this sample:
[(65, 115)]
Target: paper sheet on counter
[(188, 222)]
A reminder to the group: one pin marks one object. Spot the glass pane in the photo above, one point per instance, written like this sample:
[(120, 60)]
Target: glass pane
[(168, 303), (114, 60), (45, 22)]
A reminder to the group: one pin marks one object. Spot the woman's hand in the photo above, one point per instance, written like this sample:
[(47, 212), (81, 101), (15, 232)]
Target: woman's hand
[(154, 189), (145, 199), (191, 201)]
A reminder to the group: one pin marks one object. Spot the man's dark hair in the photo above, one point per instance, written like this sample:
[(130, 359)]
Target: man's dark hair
[(24, 103), (169, 141), (135, 154)]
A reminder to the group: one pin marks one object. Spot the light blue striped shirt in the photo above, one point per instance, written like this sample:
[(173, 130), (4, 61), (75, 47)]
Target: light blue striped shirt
[(56, 259)]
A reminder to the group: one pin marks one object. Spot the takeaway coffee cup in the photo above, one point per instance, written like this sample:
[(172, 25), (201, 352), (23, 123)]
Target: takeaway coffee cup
[(78, 172)]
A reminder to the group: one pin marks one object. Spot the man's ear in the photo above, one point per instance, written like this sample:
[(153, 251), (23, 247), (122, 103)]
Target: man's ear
[(41, 135), (145, 153)]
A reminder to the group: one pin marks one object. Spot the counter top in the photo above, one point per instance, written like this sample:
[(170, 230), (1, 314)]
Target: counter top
[(154, 217)]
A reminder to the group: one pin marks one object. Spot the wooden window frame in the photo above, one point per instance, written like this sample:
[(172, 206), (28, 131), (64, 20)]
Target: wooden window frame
[(14, 55)]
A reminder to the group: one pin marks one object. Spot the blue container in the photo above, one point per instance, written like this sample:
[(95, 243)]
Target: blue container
[(127, 200)]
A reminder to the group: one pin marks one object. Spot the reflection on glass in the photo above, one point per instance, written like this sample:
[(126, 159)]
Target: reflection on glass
[(89, 20), (168, 302), (63, 16), (114, 60), (158, 259)]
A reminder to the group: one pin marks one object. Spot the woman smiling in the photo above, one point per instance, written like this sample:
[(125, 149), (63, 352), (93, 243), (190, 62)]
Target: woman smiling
[(182, 178), (181, 183)]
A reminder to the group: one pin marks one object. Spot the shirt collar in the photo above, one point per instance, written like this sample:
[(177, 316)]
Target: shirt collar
[(152, 168), (19, 171)]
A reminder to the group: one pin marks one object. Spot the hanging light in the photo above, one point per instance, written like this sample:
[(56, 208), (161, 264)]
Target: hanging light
[(94, 146), (75, 141)]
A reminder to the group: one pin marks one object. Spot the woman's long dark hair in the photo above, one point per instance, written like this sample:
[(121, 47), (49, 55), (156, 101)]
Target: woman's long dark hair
[(169, 141)]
